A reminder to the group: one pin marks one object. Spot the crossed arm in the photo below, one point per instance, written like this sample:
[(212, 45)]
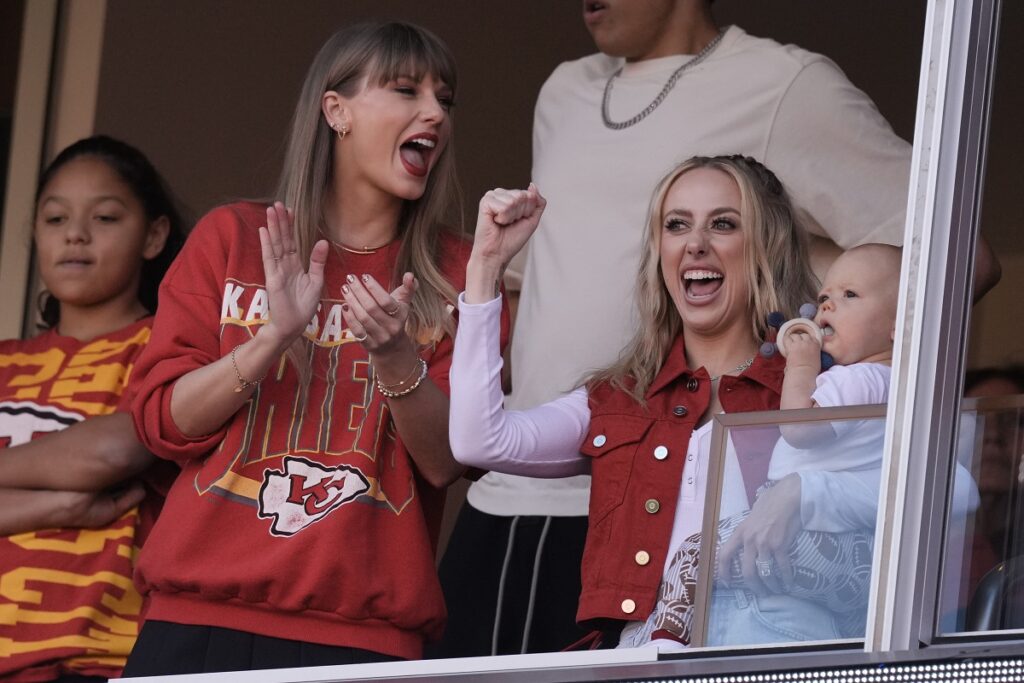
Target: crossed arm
[(65, 478)]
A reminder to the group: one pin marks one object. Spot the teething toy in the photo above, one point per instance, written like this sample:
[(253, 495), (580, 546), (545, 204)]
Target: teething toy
[(804, 323)]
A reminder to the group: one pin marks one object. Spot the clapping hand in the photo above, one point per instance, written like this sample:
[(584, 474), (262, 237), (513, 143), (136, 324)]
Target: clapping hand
[(375, 317), (292, 292)]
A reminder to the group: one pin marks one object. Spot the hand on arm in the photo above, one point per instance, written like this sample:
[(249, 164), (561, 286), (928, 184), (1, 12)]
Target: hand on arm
[(803, 365), (505, 222), (766, 536), (87, 456), (207, 397), (23, 510)]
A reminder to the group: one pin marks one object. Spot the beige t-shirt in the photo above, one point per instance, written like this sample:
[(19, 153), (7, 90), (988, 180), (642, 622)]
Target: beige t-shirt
[(792, 109)]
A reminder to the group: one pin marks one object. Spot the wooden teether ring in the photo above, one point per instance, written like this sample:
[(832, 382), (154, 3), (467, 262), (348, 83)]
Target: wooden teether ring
[(800, 324)]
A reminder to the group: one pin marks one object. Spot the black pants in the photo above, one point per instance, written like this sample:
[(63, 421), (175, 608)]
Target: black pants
[(471, 576), (164, 648)]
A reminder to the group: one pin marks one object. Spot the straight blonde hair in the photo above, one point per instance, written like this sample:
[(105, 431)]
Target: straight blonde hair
[(775, 251), (374, 53)]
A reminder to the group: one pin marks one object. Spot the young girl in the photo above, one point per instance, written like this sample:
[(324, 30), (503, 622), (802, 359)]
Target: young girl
[(105, 230), (308, 408)]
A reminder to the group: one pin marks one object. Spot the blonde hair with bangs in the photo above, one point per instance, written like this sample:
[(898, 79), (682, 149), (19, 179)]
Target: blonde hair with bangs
[(778, 273), (374, 53)]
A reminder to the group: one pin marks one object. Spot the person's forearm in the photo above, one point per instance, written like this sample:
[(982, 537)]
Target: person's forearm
[(87, 456), (483, 278), (207, 397), (421, 416), (24, 510), (839, 501), (421, 419), (798, 387)]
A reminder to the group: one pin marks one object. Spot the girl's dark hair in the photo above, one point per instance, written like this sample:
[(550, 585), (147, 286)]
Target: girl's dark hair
[(149, 188)]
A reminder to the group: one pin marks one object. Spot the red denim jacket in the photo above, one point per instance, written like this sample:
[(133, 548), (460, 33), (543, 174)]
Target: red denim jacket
[(639, 452)]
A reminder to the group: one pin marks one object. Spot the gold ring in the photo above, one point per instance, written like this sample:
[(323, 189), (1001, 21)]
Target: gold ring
[(360, 338), (393, 311)]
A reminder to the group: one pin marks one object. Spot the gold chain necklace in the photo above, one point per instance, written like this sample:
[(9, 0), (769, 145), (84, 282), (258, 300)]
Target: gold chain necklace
[(359, 250), (356, 250)]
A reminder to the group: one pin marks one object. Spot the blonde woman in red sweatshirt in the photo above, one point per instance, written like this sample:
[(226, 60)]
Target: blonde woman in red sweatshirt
[(299, 375)]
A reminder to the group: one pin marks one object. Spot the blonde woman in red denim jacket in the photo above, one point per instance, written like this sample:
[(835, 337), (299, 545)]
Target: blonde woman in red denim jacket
[(723, 249)]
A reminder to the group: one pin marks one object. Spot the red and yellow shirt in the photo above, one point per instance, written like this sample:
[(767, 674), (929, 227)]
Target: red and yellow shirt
[(67, 601)]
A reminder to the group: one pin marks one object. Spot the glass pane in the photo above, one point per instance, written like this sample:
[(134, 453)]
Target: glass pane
[(980, 570), (983, 574), (793, 558)]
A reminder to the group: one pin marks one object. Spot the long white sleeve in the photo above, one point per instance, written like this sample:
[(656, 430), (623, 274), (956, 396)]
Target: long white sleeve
[(539, 442), (839, 501), (847, 501)]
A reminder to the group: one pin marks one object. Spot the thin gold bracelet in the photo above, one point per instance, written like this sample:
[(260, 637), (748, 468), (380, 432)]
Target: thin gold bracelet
[(243, 383), (394, 386), (391, 393)]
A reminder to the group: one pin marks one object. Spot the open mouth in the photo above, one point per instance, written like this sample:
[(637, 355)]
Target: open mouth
[(701, 284), (416, 152)]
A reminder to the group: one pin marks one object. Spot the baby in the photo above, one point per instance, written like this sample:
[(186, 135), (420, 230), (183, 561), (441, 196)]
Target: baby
[(856, 317)]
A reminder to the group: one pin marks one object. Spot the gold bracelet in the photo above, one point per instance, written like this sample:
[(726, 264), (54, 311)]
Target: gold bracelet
[(394, 386), (392, 392), (243, 383)]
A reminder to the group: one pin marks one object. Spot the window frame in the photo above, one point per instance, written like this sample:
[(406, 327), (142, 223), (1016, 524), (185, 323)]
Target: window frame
[(943, 215)]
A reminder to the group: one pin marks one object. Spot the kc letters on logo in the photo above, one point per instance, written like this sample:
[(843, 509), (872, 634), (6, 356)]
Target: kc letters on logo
[(305, 492)]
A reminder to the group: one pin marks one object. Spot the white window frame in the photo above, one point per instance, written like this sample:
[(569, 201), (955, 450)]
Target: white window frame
[(943, 209)]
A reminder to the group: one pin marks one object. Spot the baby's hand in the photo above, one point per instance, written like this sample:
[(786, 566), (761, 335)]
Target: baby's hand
[(803, 350)]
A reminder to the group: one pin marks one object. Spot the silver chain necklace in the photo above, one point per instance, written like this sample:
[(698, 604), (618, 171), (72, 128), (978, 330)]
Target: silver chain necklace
[(619, 125), (739, 368)]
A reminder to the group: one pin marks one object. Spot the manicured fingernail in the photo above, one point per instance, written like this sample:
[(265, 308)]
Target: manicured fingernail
[(345, 289), (366, 278), (350, 277)]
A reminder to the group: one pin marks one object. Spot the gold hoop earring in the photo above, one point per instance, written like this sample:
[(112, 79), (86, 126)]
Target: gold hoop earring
[(342, 132)]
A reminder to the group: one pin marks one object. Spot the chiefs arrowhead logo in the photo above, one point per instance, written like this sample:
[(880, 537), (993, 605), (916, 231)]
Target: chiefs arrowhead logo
[(305, 492)]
